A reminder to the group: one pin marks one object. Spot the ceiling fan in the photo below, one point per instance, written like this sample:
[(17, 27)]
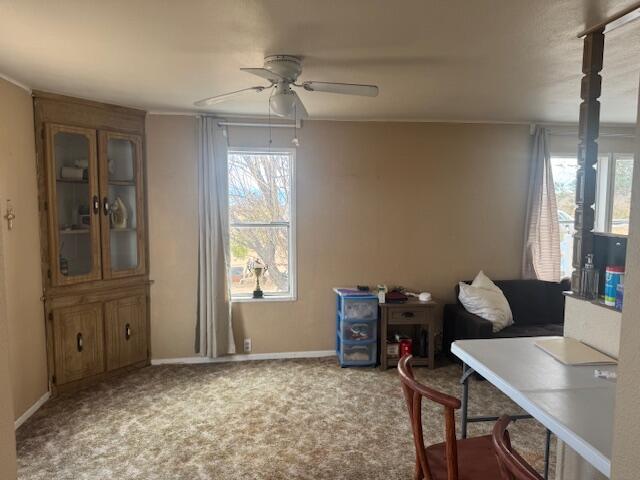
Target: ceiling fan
[(282, 71)]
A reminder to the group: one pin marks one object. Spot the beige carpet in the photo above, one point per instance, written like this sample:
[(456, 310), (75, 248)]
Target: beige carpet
[(293, 419)]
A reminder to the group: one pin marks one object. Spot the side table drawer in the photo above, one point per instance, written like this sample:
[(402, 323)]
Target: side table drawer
[(407, 316)]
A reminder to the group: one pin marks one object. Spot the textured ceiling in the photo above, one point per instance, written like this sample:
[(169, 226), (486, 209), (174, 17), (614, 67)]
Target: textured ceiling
[(455, 60)]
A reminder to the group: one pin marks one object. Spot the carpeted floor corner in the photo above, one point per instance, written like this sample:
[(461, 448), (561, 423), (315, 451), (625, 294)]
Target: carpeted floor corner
[(286, 419)]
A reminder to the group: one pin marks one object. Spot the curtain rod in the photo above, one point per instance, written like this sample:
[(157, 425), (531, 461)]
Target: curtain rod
[(615, 21), (263, 125), (575, 134)]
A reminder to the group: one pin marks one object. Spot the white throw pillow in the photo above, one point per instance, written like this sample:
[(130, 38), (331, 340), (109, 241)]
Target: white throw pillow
[(482, 281), (488, 304)]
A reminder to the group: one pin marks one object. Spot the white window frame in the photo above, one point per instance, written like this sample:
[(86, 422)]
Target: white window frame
[(606, 189), (605, 186), (604, 193), (614, 157), (293, 270)]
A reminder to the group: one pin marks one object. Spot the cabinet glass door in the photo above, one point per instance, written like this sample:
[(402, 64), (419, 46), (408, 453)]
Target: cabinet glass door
[(73, 204), (122, 209)]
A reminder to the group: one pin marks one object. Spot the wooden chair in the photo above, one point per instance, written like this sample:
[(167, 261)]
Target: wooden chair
[(465, 459), (512, 465)]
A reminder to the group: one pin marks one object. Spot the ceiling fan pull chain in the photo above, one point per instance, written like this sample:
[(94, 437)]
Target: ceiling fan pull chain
[(269, 119), (270, 139), (295, 140)]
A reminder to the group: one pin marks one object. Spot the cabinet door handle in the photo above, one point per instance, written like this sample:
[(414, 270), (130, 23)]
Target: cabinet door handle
[(79, 342), (127, 331), (408, 314), (96, 204), (105, 206)]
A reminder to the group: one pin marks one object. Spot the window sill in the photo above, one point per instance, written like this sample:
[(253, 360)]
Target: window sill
[(274, 298)]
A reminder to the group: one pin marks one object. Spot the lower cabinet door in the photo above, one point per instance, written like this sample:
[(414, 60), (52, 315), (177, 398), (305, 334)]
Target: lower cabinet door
[(78, 337), (126, 331)]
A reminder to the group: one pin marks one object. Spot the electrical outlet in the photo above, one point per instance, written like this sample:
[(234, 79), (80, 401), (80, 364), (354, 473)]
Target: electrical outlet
[(247, 345)]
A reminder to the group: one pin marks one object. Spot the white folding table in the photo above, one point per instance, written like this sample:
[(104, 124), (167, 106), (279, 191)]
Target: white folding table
[(568, 400)]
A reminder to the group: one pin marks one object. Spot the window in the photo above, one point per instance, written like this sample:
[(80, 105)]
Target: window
[(613, 198), (262, 221), (564, 181), (621, 194)]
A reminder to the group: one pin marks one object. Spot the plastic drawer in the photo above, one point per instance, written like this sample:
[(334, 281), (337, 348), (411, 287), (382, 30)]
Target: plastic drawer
[(359, 309), (358, 354), (358, 331)]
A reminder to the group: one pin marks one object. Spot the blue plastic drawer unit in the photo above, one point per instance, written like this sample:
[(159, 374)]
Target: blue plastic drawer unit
[(356, 327)]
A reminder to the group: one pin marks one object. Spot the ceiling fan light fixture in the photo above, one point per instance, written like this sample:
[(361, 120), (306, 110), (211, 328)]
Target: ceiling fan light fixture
[(282, 103)]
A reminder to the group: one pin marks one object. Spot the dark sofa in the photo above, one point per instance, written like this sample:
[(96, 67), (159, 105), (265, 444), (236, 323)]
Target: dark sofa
[(537, 307)]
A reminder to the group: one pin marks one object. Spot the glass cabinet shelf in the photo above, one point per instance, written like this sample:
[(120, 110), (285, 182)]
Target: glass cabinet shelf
[(123, 183), (71, 180)]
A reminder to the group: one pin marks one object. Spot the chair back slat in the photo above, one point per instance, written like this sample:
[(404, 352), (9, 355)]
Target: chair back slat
[(418, 438), (422, 468), (451, 444), (413, 393), (512, 465)]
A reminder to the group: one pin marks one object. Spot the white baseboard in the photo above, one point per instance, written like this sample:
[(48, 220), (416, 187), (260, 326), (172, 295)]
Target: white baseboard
[(32, 409), (244, 357)]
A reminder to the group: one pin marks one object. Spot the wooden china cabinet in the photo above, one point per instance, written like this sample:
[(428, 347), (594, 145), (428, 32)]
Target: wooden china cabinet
[(93, 216)]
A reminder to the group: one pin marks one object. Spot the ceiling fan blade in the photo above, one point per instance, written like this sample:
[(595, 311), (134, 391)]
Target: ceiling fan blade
[(226, 96), (264, 73), (343, 88), (299, 113)]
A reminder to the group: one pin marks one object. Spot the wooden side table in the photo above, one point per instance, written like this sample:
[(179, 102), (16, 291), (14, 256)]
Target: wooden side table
[(412, 313)]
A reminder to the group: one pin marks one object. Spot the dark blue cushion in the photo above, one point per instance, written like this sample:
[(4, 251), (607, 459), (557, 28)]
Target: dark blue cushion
[(538, 330)]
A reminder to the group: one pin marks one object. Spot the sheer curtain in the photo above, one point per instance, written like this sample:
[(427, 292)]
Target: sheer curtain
[(541, 256), (214, 331)]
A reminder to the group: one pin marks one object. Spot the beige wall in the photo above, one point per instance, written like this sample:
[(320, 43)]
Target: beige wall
[(593, 324), (626, 461), (173, 233), (27, 357), (7, 435), (417, 204)]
